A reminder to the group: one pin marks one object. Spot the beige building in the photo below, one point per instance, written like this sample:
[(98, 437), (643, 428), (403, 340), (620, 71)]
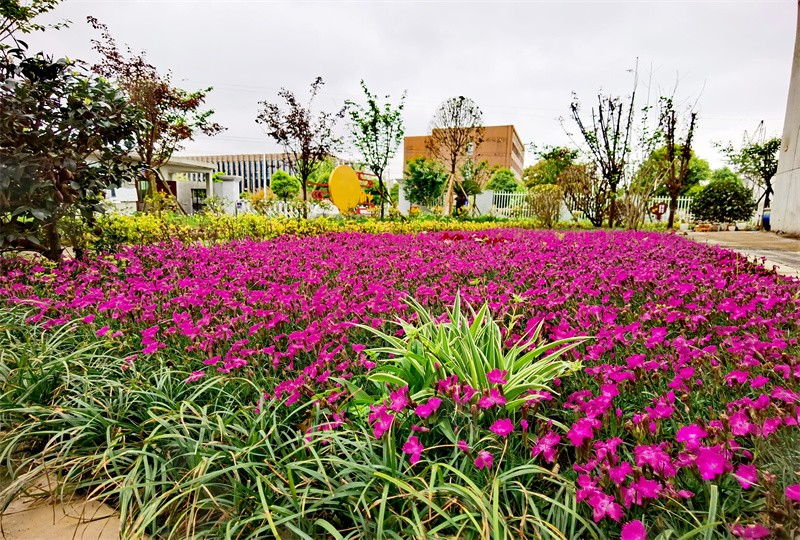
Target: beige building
[(501, 147), (255, 170)]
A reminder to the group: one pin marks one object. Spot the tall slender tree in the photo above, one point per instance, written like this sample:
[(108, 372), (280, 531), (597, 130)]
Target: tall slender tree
[(608, 137), (306, 139), (173, 115), (376, 130), (678, 153), (456, 131), (756, 159)]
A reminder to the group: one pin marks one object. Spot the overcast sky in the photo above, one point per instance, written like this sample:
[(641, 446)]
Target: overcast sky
[(519, 61)]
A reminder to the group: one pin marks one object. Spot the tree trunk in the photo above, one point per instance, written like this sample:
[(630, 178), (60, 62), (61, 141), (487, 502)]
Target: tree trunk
[(53, 242), (612, 209), (767, 193), (673, 206), (305, 198), (382, 191)]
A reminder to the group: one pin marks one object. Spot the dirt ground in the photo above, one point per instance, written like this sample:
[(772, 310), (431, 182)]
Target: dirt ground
[(37, 519)]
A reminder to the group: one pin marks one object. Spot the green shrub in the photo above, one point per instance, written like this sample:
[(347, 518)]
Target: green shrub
[(284, 186), (545, 203), (504, 181), (723, 201), (424, 181)]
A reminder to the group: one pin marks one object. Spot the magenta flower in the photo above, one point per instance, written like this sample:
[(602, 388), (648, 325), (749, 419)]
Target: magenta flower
[(603, 505), (691, 435), (195, 376), (491, 399), (502, 427), (414, 448), (381, 422), (546, 446), (633, 530), (582, 430), (746, 475), (102, 331), (399, 399), (753, 530), (710, 462), (497, 377), (484, 459), (793, 492), (463, 446), (426, 409)]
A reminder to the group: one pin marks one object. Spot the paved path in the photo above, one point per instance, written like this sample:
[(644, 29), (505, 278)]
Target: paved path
[(779, 251)]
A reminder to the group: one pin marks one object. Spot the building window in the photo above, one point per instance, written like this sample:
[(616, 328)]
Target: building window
[(198, 200)]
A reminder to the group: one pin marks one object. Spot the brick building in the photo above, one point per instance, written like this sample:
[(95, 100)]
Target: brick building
[(501, 147)]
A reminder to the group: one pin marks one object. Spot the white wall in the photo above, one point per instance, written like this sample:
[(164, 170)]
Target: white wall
[(785, 216)]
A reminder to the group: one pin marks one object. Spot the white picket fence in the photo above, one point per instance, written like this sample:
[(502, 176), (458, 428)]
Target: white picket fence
[(682, 213), (515, 205)]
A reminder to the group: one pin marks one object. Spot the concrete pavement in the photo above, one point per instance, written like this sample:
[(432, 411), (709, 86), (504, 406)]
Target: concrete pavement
[(779, 251)]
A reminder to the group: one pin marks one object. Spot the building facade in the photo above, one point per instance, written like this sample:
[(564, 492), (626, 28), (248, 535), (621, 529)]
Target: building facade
[(255, 170), (501, 147)]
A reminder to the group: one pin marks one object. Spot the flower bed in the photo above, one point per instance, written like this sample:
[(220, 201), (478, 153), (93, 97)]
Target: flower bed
[(682, 418)]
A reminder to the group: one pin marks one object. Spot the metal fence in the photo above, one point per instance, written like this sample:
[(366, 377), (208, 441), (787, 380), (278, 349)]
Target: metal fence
[(511, 205)]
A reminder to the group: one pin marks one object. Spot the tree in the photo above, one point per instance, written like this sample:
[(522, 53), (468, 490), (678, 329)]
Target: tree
[(306, 140), (17, 17), (503, 180), (322, 172), (64, 138), (456, 132), (699, 171), (608, 138), (424, 181), (678, 154), (284, 186), (756, 160), (544, 201), (723, 201), (173, 115), (376, 131), (724, 173), (552, 162), (585, 191)]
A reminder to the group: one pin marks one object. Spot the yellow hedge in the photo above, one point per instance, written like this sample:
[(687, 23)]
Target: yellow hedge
[(149, 228)]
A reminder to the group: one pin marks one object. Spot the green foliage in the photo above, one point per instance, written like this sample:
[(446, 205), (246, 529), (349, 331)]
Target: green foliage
[(656, 165), (196, 460), (552, 162), (469, 345), (424, 181), (504, 181), (756, 160), (723, 201), (173, 115), (17, 17), (322, 172), (306, 139), (376, 131), (53, 120), (284, 186), (725, 174)]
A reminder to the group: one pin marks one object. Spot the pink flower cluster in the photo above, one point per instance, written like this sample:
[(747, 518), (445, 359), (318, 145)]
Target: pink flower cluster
[(694, 356)]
